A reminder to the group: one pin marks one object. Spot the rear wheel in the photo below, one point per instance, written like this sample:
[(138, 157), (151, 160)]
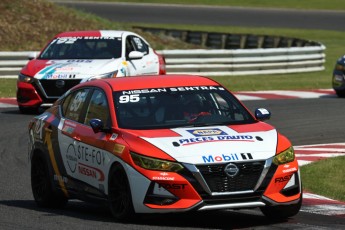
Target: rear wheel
[(41, 186), (282, 211), (28, 110), (120, 199)]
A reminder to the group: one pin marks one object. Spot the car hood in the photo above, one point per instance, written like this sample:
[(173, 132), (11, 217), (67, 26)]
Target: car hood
[(217, 144), (76, 69)]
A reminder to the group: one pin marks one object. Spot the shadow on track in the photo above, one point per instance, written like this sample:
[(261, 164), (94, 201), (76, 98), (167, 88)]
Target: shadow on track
[(199, 220)]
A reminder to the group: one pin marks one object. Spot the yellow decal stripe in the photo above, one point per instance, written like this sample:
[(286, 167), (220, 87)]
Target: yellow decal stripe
[(53, 161)]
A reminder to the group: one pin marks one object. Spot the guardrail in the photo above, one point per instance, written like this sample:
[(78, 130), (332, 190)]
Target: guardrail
[(220, 62)]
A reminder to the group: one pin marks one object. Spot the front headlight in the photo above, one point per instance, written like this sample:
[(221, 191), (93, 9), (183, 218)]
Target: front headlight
[(102, 76), (284, 157), (24, 78), (155, 164)]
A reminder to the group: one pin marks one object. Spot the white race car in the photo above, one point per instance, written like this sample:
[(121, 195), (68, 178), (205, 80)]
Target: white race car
[(79, 56)]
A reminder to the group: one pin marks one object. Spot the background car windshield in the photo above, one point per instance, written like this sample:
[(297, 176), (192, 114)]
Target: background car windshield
[(178, 107), (82, 48)]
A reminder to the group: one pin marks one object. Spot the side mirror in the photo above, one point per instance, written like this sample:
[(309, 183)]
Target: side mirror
[(96, 125), (135, 55), (262, 114), (32, 55)]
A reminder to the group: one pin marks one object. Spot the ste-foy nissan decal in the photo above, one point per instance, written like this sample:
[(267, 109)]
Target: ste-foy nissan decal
[(86, 161)]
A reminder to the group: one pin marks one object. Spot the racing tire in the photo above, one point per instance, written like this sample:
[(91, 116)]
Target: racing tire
[(41, 186), (120, 198), (281, 212), (340, 93), (28, 110)]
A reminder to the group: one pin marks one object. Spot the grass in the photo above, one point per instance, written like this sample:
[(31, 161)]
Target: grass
[(8, 87), (325, 177), (290, 4), (28, 25)]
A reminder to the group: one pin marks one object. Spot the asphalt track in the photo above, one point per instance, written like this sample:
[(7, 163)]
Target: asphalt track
[(304, 121), (220, 16)]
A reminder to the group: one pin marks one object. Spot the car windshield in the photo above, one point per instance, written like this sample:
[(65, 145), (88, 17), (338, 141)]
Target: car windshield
[(82, 48), (178, 107)]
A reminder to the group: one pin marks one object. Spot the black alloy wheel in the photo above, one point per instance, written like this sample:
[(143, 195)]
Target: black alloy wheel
[(41, 186), (120, 199)]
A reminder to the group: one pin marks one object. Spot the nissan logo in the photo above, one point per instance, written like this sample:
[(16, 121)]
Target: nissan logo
[(231, 170), (60, 84)]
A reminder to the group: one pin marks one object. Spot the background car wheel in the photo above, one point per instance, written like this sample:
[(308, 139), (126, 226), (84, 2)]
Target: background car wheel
[(340, 93), (41, 186), (120, 198), (281, 211), (28, 110)]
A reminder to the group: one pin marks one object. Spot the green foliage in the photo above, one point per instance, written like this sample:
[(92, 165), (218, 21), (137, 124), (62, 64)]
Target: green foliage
[(291, 4)]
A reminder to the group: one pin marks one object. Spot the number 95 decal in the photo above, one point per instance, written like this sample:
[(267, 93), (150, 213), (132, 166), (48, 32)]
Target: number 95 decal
[(129, 98)]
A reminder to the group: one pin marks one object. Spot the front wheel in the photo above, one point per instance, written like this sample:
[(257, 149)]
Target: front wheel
[(340, 93), (120, 199), (41, 186), (282, 211)]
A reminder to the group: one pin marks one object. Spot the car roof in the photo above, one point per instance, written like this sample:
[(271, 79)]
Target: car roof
[(159, 81), (94, 33)]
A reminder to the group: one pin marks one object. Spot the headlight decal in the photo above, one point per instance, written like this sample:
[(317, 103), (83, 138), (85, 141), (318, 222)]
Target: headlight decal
[(155, 164), (284, 157)]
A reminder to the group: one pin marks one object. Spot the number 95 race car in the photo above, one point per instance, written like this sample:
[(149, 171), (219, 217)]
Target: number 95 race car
[(149, 144)]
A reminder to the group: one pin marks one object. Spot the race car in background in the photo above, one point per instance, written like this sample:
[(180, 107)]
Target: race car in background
[(338, 79), (78, 56), (151, 144)]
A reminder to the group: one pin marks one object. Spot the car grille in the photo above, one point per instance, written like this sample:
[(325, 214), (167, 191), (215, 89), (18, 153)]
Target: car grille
[(219, 182), (51, 89)]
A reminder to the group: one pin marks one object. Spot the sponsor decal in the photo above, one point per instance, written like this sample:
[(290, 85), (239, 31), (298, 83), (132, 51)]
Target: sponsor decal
[(119, 148), (198, 140), (159, 90), (162, 178), (60, 178), (85, 160), (79, 61), (38, 129), (59, 76), (113, 137), (282, 179), (89, 171), (290, 170), (71, 157), (206, 132), (68, 129), (171, 186), (70, 123), (227, 157), (173, 89), (83, 153), (193, 88), (67, 68)]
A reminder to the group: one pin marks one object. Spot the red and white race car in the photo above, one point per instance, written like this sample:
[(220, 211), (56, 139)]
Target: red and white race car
[(175, 143), (78, 56)]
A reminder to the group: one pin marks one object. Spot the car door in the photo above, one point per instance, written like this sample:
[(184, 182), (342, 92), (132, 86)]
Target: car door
[(82, 150), (148, 64)]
